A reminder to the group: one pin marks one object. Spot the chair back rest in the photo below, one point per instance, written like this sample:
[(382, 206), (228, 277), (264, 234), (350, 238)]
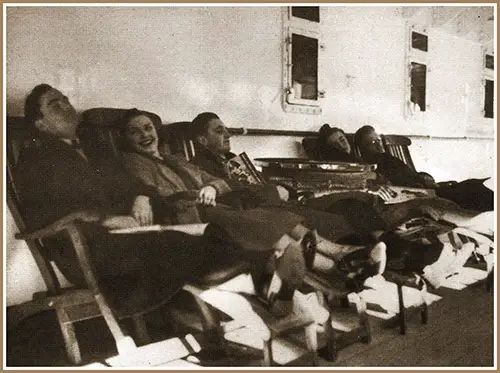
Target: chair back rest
[(100, 137), (398, 146), (310, 145), (100, 133), (179, 140), (21, 136)]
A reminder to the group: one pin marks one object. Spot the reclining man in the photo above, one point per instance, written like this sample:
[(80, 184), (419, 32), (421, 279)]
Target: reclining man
[(470, 194), (56, 178), (210, 132)]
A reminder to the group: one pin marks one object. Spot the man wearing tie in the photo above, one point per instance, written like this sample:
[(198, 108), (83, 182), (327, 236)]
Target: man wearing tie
[(55, 179)]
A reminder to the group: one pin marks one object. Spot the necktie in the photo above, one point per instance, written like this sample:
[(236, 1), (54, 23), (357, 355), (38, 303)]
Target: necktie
[(75, 144)]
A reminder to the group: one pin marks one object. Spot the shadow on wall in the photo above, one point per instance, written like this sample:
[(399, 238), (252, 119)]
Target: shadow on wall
[(15, 102)]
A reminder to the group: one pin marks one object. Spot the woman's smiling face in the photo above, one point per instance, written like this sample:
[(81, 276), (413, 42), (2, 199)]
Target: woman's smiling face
[(141, 135)]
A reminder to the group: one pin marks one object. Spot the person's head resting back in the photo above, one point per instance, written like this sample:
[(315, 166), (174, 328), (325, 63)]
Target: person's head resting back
[(368, 141), (333, 137), (138, 132), (208, 130), (51, 112)]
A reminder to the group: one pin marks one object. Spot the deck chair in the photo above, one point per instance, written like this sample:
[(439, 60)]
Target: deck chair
[(99, 138), (84, 299), (310, 147), (180, 141), (398, 146)]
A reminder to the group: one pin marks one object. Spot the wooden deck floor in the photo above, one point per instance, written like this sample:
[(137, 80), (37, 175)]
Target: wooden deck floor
[(460, 332)]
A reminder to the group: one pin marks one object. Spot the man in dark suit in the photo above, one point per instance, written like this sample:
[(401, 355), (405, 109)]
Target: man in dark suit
[(470, 194), (56, 178)]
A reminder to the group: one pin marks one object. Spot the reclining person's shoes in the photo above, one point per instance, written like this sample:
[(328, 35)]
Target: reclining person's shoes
[(359, 265)]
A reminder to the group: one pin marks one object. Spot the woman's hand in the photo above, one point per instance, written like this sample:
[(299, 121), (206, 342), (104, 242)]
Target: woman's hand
[(207, 195), (142, 211)]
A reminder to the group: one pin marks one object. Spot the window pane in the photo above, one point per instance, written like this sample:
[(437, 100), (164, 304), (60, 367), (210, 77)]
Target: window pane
[(305, 67), (419, 41), (489, 62), (418, 84), (310, 13), (488, 99)]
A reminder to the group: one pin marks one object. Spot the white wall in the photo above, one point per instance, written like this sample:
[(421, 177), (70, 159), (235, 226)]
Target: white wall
[(179, 61)]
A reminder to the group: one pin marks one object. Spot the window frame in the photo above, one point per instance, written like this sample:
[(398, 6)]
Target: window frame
[(414, 55), (310, 29)]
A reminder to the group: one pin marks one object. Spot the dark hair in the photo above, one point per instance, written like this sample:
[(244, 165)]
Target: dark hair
[(325, 131), (130, 114), (199, 125), (125, 119), (32, 103), (361, 133)]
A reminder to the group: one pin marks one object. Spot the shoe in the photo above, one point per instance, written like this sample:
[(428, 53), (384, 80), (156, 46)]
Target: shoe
[(362, 264), (276, 294)]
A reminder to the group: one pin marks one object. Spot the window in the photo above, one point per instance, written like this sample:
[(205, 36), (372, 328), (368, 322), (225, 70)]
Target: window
[(418, 74), (310, 13), (419, 41), (489, 61), (302, 48), (416, 62), (488, 83), (305, 67), (488, 98)]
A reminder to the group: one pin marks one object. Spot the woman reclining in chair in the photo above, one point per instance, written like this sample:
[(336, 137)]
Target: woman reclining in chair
[(174, 178)]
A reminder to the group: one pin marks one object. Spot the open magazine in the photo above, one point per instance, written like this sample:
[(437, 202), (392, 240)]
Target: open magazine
[(242, 169)]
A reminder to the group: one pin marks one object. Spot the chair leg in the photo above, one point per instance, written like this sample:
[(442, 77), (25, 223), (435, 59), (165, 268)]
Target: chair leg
[(212, 330), (267, 360), (68, 332), (331, 340), (402, 309), (124, 343), (424, 311), (140, 330), (490, 281), (312, 342)]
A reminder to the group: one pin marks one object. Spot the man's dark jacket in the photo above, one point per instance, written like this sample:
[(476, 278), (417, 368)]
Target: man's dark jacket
[(54, 180)]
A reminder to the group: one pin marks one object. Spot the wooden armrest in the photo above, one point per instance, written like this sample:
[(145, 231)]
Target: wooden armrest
[(195, 229), (60, 225)]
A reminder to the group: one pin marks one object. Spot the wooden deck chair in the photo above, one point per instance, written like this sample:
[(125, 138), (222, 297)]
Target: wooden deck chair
[(180, 141), (99, 138), (398, 146), (84, 299)]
